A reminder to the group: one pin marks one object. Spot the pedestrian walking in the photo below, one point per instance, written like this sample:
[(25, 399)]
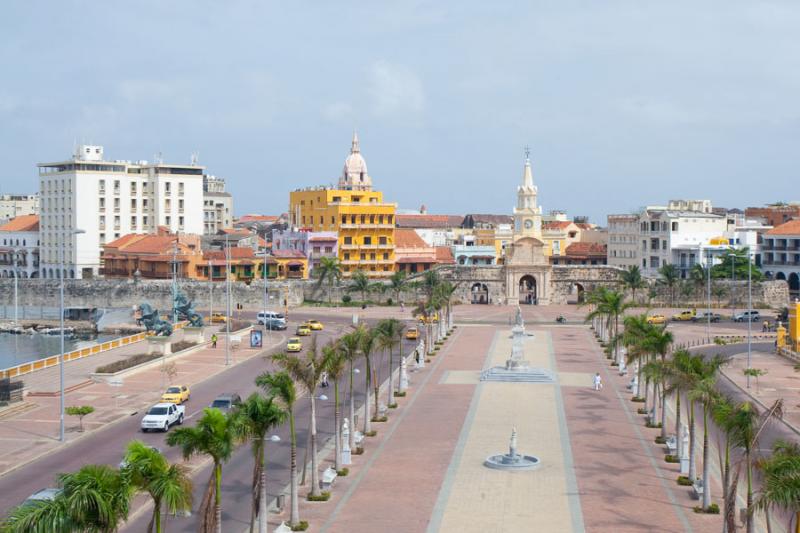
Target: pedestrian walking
[(324, 379), (214, 340), (598, 382)]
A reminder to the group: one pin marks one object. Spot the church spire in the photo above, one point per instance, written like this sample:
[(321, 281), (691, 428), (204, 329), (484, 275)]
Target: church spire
[(354, 148), (527, 175)]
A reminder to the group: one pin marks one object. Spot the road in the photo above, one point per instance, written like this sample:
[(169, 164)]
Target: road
[(106, 446)]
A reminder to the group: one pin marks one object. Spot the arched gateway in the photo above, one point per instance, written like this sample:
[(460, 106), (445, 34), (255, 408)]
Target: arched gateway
[(527, 290)]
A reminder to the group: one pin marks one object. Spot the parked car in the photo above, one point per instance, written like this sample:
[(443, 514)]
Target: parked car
[(303, 330), (684, 316), (271, 319), (705, 316), (43, 495), (294, 344), (412, 334), (163, 416), (750, 315), (218, 318), (315, 325), (226, 402), (176, 394), (656, 319)]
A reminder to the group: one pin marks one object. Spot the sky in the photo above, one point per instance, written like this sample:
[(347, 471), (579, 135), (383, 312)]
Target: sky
[(622, 103)]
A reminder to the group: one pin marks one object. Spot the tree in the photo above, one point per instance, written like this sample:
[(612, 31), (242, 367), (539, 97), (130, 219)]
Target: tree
[(212, 436), (734, 264), (610, 305), (334, 361), (98, 497), (80, 412), (718, 292), (389, 337), (167, 484), (329, 270), (632, 280), (359, 282), (633, 338), (46, 516), (698, 276), (398, 283), (368, 343), (781, 481), (680, 380), (306, 369), (669, 276), (756, 373), (251, 420), (723, 414), (350, 345), (281, 385)]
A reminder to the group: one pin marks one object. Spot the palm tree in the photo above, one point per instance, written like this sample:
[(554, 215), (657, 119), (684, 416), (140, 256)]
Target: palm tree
[(723, 413), (390, 331), (669, 276), (350, 345), (636, 330), (168, 485), (46, 516), (359, 282), (698, 276), (368, 343), (212, 436), (781, 484), (281, 386), (680, 380), (596, 298), (632, 279), (334, 360), (659, 341), (398, 283), (252, 419), (306, 370), (718, 292), (329, 270)]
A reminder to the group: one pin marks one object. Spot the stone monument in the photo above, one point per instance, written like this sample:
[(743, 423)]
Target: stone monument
[(517, 369), (512, 460), (346, 458)]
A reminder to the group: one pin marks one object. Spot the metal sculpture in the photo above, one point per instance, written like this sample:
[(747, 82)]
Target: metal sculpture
[(184, 310), (150, 319)]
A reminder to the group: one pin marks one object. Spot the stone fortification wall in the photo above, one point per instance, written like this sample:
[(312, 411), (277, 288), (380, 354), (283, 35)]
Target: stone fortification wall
[(725, 294), (568, 279), (158, 293)]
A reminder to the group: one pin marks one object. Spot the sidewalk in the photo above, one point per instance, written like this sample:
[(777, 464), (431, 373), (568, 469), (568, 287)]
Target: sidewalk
[(31, 429)]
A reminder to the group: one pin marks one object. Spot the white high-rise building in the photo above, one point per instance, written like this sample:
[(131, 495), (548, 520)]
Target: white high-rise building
[(15, 205), (108, 199), (217, 205)]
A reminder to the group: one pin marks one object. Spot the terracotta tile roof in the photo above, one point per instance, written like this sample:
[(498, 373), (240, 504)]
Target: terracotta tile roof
[(22, 223), (257, 218), (237, 252), (125, 240), (150, 244), (444, 255), (234, 231), (323, 238), (556, 224), (287, 254), (489, 219), (586, 249), (584, 225), (408, 238), (416, 259), (789, 228), (428, 221)]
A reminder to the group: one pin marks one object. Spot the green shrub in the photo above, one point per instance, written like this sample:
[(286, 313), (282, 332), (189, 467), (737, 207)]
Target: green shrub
[(325, 496), (182, 345), (80, 412), (346, 299), (614, 364), (719, 341), (370, 433), (712, 509), (660, 440), (378, 419), (343, 472), (123, 364), (653, 426), (641, 411), (358, 451), (671, 458), (389, 301), (302, 525), (392, 406), (637, 399), (684, 481), (398, 394)]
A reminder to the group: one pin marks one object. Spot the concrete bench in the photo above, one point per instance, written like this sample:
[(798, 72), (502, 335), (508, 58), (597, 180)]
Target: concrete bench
[(329, 475), (672, 444), (697, 489), (358, 438)]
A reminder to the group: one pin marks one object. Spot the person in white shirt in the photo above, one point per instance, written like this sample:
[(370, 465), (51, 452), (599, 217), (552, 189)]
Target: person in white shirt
[(598, 382)]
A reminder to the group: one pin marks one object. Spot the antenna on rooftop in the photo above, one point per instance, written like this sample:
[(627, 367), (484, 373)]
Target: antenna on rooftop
[(195, 158)]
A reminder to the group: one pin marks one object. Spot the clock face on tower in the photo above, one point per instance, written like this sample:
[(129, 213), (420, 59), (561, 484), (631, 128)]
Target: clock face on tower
[(528, 223)]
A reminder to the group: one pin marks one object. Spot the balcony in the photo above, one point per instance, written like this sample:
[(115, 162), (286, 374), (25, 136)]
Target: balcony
[(348, 246), (365, 225)]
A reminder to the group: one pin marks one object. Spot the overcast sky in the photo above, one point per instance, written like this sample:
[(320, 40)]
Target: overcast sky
[(623, 103)]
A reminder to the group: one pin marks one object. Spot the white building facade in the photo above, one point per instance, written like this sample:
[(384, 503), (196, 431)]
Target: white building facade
[(623, 240), (19, 247), (108, 199), (217, 205), (14, 205)]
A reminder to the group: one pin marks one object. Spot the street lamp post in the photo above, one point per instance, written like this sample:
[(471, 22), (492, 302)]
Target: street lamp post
[(708, 293), (174, 281), (266, 290), (61, 321), (16, 290), (749, 317), (227, 301), (262, 503)]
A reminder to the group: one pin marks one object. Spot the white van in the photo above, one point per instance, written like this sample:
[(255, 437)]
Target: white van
[(271, 319)]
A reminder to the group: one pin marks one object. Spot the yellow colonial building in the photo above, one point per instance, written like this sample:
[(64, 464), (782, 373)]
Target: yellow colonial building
[(364, 222)]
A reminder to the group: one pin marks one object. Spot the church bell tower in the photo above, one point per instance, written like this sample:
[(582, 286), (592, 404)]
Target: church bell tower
[(527, 213)]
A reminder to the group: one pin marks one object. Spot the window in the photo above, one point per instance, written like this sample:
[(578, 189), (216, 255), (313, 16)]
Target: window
[(133, 204), (102, 221), (145, 203), (316, 249), (133, 187), (168, 188), (116, 205), (168, 220), (145, 221), (385, 256), (180, 206), (363, 257), (116, 186), (654, 244), (116, 222), (133, 222), (329, 249), (180, 188), (674, 226), (167, 205), (101, 186), (102, 238), (102, 204), (348, 240), (664, 245), (382, 240), (346, 256), (180, 222), (367, 240)]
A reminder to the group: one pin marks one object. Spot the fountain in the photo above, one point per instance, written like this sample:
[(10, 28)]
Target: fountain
[(517, 369), (512, 460)]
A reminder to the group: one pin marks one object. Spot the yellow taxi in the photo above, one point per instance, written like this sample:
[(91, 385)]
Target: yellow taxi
[(684, 316), (412, 334), (218, 318), (294, 345), (656, 319), (303, 330), (176, 394), (431, 318), (314, 325)]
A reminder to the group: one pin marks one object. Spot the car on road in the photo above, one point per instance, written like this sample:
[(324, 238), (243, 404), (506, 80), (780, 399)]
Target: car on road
[(315, 325), (656, 319), (272, 320), (226, 402), (294, 344), (44, 495), (750, 315), (684, 316), (176, 394), (162, 416), (705, 316), (434, 317), (303, 330), (412, 334), (218, 318)]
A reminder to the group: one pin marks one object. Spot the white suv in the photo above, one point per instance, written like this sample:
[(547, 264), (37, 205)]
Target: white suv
[(271, 319)]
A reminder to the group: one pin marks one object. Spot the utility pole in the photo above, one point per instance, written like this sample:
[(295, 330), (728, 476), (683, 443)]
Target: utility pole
[(266, 290), (733, 282), (61, 359), (749, 317), (16, 290), (174, 280), (708, 293), (210, 291), (227, 301)]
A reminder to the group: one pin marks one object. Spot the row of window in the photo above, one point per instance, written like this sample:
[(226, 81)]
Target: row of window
[(15, 242), (363, 257), (367, 240), (135, 219), (349, 219), (134, 187)]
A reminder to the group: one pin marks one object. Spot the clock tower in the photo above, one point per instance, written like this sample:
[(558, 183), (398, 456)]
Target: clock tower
[(527, 213)]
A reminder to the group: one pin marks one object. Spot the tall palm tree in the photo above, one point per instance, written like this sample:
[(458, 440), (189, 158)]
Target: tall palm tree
[(669, 276), (169, 485), (350, 345), (659, 341), (212, 436), (599, 313), (781, 485), (698, 276), (389, 337), (368, 343), (632, 279), (635, 332), (398, 283), (335, 360), (252, 419), (615, 305), (359, 282), (281, 386), (680, 380), (330, 271), (306, 369), (46, 516), (723, 413), (656, 371)]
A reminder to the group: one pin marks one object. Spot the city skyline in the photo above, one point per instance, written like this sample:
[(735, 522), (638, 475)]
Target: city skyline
[(606, 96)]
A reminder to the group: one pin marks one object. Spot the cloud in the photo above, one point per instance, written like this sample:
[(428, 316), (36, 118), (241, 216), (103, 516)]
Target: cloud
[(394, 90), (337, 111)]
